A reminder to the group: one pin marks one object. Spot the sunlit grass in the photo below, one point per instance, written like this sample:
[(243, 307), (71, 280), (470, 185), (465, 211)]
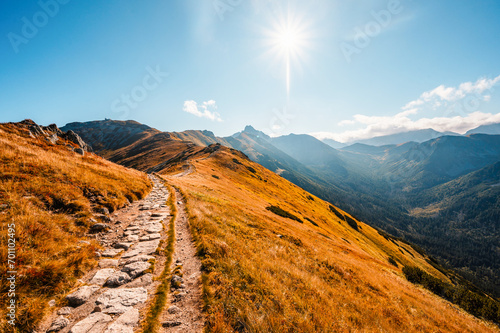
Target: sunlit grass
[(267, 273), (45, 190)]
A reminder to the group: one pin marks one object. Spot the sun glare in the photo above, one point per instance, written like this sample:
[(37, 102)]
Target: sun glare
[(287, 41)]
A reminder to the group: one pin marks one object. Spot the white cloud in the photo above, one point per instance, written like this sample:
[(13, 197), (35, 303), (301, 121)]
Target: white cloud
[(378, 126), (458, 106), (205, 110), (444, 95)]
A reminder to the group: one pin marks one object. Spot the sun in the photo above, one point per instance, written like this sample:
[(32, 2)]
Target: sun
[(287, 41)]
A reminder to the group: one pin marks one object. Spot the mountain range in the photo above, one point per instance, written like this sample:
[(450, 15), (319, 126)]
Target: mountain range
[(274, 257), (397, 187), (418, 136)]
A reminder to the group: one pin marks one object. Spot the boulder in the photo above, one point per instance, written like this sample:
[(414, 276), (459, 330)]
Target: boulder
[(81, 295), (107, 263), (117, 279), (58, 324), (101, 276), (117, 301), (136, 268), (125, 323), (98, 227), (95, 322)]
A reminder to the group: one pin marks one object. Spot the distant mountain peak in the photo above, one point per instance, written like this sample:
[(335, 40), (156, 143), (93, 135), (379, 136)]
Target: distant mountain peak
[(250, 130)]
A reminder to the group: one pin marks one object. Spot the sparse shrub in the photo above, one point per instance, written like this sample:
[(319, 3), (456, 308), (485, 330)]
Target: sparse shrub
[(293, 240), (393, 262), (351, 222), (252, 170), (216, 177), (236, 161), (336, 212), (313, 223), (283, 213), (476, 304)]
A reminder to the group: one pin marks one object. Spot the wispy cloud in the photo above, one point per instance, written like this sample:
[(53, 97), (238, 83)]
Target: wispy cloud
[(465, 98), (378, 126), (442, 94), (205, 110)]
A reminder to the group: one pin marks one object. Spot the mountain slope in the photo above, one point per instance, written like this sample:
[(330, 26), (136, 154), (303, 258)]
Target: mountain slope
[(414, 136), (277, 259), (467, 210), (110, 135), (379, 186), (50, 193), (485, 129)]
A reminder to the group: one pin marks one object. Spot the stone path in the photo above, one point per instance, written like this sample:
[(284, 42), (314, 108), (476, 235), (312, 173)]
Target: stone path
[(185, 311), (114, 297)]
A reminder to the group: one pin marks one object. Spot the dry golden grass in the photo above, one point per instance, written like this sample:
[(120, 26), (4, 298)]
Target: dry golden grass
[(266, 273), (45, 191)]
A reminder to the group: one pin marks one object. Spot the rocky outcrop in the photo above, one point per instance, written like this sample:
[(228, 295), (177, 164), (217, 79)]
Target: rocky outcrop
[(54, 135)]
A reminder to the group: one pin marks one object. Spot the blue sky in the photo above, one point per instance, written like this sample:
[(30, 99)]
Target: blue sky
[(356, 68)]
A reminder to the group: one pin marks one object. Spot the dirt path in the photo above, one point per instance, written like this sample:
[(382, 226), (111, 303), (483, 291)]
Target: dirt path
[(185, 311), (186, 170)]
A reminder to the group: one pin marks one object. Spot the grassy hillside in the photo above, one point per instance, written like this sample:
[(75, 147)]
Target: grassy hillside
[(48, 194), (277, 259)]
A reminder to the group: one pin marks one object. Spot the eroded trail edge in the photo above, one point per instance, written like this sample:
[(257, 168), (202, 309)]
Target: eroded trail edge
[(184, 313)]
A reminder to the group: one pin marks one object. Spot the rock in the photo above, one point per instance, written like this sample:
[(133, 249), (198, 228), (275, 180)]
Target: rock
[(124, 246), (150, 237), (176, 279), (64, 311), (58, 324), (142, 281), (52, 302), (148, 247), (106, 263), (103, 217), (117, 279), (111, 253), (53, 138), (173, 309), (154, 228), (116, 301), (133, 228), (132, 238), (141, 257), (158, 215), (81, 295), (171, 323), (101, 276), (75, 138), (53, 128), (36, 130), (80, 151), (98, 227), (103, 210), (95, 322), (136, 268), (125, 323)]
